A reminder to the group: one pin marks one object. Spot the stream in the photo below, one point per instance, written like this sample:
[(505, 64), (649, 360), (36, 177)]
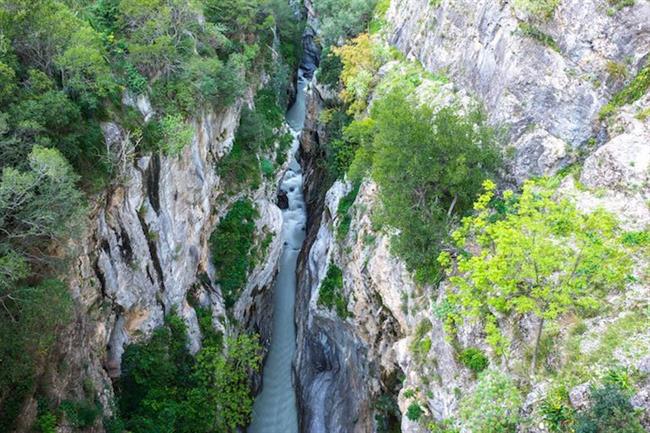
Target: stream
[(275, 409)]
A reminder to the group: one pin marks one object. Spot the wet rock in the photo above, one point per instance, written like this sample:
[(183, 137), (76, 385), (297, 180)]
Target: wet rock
[(283, 200)]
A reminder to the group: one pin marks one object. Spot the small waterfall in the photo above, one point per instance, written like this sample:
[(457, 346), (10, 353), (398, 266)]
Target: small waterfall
[(275, 409)]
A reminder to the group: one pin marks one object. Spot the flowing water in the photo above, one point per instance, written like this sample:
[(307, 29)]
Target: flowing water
[(275, 408)]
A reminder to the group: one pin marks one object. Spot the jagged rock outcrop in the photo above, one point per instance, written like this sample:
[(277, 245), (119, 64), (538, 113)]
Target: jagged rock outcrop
[(548, 97)]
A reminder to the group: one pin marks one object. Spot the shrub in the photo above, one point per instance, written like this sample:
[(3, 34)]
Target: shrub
[(414, 411), (176, 134), (330, 68), (80, 414), (557, 412), (230, 245), (539, 9), (493, 406), (343, 212), (474, 359), (611, 412), (533, 32), (330, 292), (163, 385)]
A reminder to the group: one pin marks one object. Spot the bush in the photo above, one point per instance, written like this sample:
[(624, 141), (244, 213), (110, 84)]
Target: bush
[(176, 134), (330, 292), (230, 245), (557, 411), (474, 359), (493, 406), (80, 414), (330, 68), (611, 412), (540, 242), (343, 212), (539, 9), (414, 411)]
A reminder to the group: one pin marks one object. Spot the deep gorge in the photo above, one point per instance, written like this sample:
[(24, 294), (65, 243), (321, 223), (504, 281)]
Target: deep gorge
[(329, 216)]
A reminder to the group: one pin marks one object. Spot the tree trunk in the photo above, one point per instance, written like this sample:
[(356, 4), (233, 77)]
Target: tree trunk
[(537, 340)]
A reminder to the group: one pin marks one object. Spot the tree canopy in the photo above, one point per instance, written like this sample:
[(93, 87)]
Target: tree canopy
[(535, 254)]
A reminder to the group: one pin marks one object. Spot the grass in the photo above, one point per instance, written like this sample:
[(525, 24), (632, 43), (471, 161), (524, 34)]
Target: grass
[(542, 10), (533, 32), (330, 293), (343, 212), (629, 94)]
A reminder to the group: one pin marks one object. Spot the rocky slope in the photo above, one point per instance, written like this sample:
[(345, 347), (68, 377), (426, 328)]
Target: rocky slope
[(548, 99), (548, 94)]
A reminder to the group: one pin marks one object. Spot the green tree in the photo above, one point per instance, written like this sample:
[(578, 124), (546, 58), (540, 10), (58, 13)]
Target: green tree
[(221, 400), (536, 255), (40, 204), (492, 406), (231, 244), (429, 166), (341, 19)]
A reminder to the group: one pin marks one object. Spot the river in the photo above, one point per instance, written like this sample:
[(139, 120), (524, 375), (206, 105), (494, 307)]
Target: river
[(275, 409)]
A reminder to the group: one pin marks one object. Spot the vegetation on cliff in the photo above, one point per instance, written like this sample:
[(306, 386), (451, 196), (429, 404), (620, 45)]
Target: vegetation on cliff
[(68, 66)]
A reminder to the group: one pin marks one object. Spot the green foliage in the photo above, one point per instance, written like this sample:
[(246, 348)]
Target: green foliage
[(557, 412), (610, 412), (361, 58), (539, 9), (533, 32), (330, 68), (542, 257), (474, 359), (46, 423), (176, 134), (330, 292), (636, 238), (634, 90), (414, 411), (80, 414), (30, 319), (387, 414), (257, 133), (493, 405), (617, 5), (230, 245), (341, 19), (616, 71), (164, 389), (421, 341), (429, 166), (343, 212)]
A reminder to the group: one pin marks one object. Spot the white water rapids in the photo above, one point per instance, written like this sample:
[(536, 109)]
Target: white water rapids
[(275, 408)]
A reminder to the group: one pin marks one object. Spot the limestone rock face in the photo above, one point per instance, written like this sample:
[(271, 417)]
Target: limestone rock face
[(146, 247), (544, 96)]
